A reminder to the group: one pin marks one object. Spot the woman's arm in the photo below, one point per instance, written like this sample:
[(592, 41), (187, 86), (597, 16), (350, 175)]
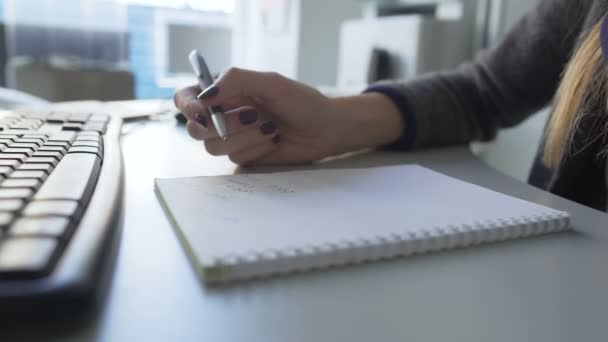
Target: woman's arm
[(368, 120), (500, 89)]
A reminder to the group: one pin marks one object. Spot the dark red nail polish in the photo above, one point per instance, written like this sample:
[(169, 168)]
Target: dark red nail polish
[(201, 119), (248, 117), (210, 92), (276, 139), (268, 128)]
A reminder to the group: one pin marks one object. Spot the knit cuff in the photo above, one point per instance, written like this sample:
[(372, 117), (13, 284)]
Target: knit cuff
[(407, 140)]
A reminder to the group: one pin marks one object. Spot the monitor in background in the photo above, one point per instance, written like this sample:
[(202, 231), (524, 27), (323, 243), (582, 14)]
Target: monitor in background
[(176, 33), (213, 42)]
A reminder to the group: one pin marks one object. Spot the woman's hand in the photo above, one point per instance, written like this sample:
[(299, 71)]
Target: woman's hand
[(274, 120)]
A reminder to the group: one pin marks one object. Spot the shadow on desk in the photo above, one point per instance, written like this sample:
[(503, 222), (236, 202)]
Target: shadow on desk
[(255, 287), (371, 158)]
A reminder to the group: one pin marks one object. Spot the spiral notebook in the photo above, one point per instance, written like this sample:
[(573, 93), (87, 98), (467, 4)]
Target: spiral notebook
[(243, 226)]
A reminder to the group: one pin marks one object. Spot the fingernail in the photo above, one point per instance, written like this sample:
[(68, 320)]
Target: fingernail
[(276, 139), (210, 92), (181, 118), (248, 117), (201, 119), (268, 128)]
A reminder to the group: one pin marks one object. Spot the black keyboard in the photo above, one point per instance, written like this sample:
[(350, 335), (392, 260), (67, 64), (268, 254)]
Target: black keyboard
[(60, 206)]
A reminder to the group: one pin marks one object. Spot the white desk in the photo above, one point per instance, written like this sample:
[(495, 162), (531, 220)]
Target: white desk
[(552, 288)]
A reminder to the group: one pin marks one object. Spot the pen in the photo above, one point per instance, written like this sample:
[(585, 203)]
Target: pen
[(205, 80)]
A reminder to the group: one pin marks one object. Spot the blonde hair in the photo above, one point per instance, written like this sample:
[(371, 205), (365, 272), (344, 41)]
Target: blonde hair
[(579, 89)]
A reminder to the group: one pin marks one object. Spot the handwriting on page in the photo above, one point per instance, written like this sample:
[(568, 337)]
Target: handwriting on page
[(252, 185), (248, 185)]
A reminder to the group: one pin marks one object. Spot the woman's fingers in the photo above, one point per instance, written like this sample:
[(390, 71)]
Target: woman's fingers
[(197, 130), (257, 134), (252, 155), (185, 99), (187, 102), (241, 83), (236, 120)]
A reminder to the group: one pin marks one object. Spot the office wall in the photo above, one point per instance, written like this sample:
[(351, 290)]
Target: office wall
[(270, 36), (299, 38), (319, 38)]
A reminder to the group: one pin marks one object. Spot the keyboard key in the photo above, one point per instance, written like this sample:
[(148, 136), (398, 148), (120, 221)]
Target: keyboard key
[(38, 226), (8, 114), (16, 193), (5, 170), (100, 117), (51, 208), (36, 167), (25, 151), (11, 205), (89, 134), (26, 254), (46, 148), (32, 122), (25, 116), (63, 144), (37, 160), (37, 141), (10, 163), (79, 117), (55, 120), (29, 174), (63, 136), (5, 219), (92, 139), (85, 143), (58, 117), (84, 149), (99, 127), (21, 183), (74, 178), (72, 127), (22, 127), (12, 137), (6, 141), (30, 146), (35, 136), (13, 156), (56, 155)]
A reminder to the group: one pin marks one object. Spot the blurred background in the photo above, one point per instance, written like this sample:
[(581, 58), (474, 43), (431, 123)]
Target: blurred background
[(69, 50)]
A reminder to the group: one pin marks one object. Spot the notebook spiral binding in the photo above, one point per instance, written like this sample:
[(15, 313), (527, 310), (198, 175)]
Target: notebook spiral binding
[(331, 254)]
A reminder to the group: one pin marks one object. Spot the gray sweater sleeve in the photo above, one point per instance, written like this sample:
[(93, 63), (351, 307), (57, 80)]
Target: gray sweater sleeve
[(501, 88)]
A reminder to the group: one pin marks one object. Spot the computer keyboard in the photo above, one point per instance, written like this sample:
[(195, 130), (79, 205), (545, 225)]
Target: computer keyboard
[(60, 205)]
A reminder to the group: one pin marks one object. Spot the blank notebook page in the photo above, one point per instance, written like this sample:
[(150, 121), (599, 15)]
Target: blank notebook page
[(241, 217)]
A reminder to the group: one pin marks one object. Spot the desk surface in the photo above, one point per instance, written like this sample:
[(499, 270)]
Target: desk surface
[(551, 288)]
